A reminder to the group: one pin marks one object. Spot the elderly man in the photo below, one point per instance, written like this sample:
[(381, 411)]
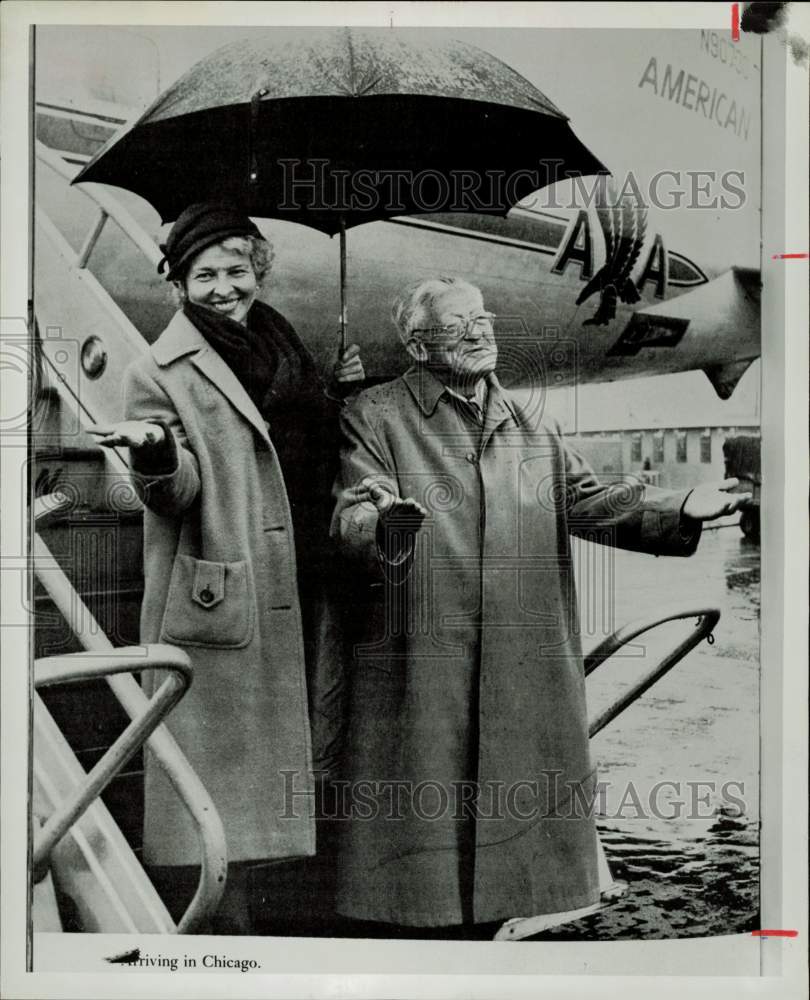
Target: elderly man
[(468, 772)]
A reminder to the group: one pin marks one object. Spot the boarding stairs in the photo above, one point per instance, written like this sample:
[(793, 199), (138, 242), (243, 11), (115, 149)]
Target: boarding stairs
[(76, 842)]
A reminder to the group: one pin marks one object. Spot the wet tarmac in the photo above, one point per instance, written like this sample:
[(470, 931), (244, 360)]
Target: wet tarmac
[(678, 805)]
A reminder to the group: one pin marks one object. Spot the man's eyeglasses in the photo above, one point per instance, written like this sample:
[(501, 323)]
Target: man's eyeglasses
[(482, 325)]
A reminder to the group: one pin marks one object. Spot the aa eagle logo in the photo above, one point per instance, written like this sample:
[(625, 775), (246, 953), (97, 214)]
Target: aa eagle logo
[(624, 225)]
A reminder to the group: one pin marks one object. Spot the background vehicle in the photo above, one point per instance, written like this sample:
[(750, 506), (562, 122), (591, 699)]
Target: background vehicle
[(742, 458)]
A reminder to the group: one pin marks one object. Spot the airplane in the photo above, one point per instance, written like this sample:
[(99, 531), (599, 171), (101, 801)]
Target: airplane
[(685, 293)]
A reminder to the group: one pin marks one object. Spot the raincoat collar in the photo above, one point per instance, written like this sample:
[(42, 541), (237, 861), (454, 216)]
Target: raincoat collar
[(180, 338), (427, 390)]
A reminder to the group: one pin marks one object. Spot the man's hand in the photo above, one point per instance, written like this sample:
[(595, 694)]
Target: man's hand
[(129, 433), (349, 366), (394, 512), (712, 500)]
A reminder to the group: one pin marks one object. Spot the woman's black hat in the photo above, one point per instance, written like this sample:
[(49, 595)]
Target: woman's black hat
[(197, 227)]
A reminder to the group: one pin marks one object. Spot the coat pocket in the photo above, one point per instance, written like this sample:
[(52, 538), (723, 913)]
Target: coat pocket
[(209, 604)]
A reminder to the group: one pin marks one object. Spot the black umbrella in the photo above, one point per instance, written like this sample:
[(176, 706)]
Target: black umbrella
[(335, 127)]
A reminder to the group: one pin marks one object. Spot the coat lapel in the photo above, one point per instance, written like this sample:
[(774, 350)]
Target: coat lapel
[(180, 338), (215, 369), (498, 410)]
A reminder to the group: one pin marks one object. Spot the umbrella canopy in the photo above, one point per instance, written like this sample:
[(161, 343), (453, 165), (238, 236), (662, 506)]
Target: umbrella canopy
[(335, 127)]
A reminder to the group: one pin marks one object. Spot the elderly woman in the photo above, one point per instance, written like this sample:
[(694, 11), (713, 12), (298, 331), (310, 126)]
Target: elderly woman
[(232, 439)]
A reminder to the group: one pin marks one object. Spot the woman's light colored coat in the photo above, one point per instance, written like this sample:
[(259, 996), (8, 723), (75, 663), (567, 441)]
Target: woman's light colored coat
[(220, 582)]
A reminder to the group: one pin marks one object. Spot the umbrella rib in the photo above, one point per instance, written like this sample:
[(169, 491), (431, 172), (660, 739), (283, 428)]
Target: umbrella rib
[(364, 88), (350, 48)]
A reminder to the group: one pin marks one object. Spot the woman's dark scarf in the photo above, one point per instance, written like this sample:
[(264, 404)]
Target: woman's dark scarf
[(280, 376), (266, 355)]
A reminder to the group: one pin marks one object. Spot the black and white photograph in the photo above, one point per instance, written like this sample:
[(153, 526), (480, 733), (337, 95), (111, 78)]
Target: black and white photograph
[(404, 493)]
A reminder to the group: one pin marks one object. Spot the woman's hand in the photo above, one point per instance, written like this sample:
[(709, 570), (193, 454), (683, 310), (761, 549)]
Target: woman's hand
[(349, 366), (711, 500), (129, 433)]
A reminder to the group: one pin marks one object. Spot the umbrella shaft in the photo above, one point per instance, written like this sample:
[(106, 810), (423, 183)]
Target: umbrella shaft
[(344, 334)]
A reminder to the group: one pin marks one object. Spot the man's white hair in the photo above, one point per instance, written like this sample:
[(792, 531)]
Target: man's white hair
[(413, 307)]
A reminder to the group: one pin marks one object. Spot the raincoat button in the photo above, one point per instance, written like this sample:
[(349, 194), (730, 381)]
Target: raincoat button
[(472, 458), (206, 596)]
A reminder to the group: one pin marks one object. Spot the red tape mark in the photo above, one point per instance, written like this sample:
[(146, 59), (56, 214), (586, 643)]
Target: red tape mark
[(790, 256), (735, 22), (770, 933)]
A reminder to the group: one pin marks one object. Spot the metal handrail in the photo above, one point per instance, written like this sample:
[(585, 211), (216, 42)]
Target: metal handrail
[(75, 667), (707, 619), (519, 928), (108, 206), (191, 791)]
